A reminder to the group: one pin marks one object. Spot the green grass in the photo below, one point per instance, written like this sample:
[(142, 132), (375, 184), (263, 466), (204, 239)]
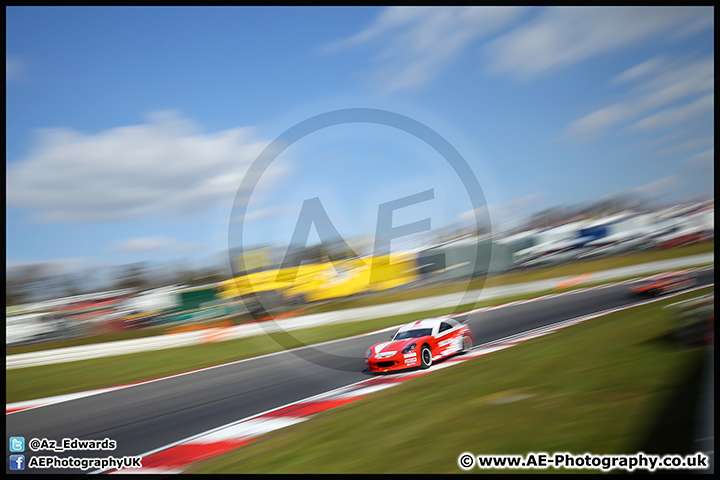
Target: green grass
[(609, 385), (399, 295)]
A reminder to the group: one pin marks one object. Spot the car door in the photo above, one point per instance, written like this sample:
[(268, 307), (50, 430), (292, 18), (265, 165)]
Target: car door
[(447, 342)]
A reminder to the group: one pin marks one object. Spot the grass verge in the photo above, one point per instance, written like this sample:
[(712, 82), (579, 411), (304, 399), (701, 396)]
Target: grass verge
[(606, 386)]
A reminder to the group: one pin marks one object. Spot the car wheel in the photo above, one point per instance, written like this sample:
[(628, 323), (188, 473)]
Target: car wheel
[(467, 345), (425, 357)]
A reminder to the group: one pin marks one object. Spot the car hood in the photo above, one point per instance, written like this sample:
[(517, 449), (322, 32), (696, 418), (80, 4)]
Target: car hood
[(396, 346)]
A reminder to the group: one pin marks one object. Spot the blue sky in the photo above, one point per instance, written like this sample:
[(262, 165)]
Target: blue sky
[(129, 130)]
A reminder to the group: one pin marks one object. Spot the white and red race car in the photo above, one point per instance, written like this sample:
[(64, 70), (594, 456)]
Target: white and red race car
[(419, 344)]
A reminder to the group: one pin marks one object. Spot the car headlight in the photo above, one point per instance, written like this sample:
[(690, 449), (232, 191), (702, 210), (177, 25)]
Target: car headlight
[(409, 348), (368, 354)]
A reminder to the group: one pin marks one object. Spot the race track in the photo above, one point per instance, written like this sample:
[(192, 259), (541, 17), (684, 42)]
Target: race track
[(145, 417)]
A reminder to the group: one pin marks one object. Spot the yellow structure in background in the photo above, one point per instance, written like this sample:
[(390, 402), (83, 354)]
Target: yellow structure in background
[(254, 259), (324, 281)]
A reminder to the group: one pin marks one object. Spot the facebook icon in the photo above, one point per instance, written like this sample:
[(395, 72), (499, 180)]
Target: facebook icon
[(17, 462)]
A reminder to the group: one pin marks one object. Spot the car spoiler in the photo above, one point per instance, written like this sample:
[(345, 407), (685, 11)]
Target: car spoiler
[(462, 318)]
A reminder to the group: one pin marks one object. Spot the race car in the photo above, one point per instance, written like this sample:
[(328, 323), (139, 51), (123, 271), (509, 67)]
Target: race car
[(419, 344), (662, 283)]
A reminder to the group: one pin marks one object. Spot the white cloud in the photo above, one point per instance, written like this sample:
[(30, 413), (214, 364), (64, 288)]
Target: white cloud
[(675, 115), (520, 205), (58, 266), (470, 214), (500, 214), (704, 159), (698, 24), (670, 82), (677, 80), (659, 187), (650, 144), (165, 166), (562, 36), (416, 43), (692, 176), (688, 145), (643, 69), (258, 214), (601, 119), (143, 244)]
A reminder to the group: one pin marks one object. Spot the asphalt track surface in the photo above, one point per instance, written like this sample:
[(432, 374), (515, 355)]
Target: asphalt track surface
[(145, 417)]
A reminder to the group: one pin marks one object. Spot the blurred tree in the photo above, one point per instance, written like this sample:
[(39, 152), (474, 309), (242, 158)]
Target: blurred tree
[(15, 289), (24, 284), (183, 276), (132, 276), (207, 275), (69, 285)]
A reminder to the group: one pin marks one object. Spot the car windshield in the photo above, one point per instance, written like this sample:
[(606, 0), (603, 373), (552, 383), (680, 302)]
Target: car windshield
[(419, 332)]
